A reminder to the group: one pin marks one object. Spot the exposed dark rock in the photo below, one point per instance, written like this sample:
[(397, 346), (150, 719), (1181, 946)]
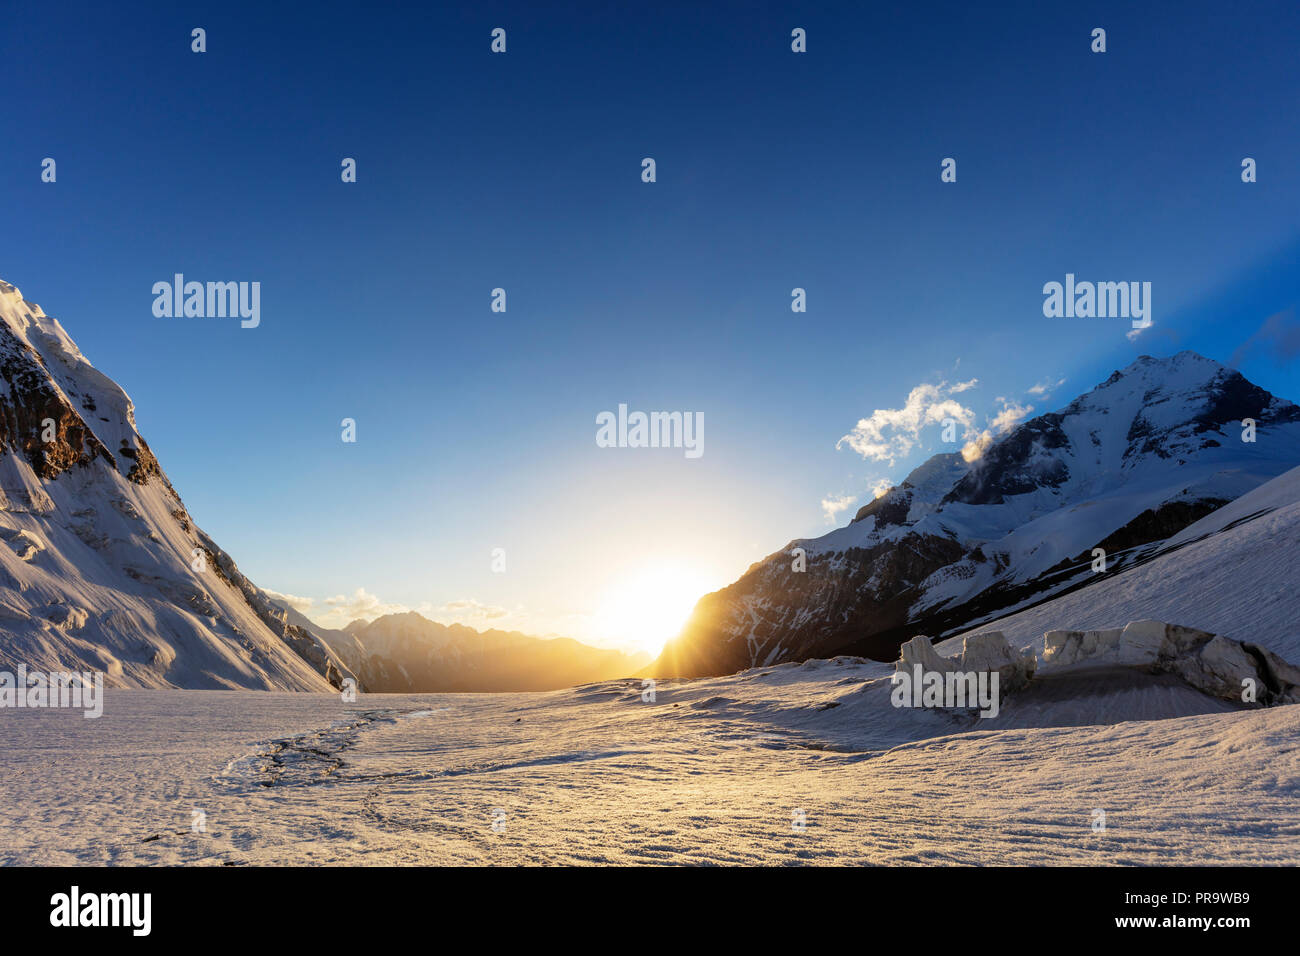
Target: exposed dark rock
[(32, 400)]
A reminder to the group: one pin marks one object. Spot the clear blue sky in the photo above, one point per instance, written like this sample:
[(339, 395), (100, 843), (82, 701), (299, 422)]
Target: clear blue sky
[(775, 170)]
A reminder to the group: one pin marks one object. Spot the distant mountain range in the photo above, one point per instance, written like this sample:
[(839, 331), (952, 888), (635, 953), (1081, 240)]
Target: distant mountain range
[(1146, 453), (408, 653)]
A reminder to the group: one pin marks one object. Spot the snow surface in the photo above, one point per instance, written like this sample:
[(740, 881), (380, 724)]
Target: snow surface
[(713, 771)]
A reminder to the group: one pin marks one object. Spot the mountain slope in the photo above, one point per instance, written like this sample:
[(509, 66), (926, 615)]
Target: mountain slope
[(1232, 572), (1152, 449), (98, 555)]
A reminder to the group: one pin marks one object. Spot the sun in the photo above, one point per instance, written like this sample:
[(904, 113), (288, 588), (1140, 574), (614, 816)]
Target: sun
[(647, 608)]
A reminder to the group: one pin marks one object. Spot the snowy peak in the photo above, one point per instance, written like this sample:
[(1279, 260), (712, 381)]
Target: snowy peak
[(1166, 402), (101, 567), (919, 494), (29, 319), (72, 412), (1154, 413), (1185, 373), (1156, 446)]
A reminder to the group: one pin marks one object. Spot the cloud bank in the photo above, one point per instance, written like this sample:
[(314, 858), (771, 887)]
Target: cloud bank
[(888, 434)]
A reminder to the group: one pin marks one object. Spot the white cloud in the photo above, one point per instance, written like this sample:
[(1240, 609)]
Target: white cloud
[(974, 449), (891, 433), (1046, 387), (1001, 423), (299, 604), (469, 610), (833, 506), (1012, 412), (359, 605), (880, 487), (342, 609)]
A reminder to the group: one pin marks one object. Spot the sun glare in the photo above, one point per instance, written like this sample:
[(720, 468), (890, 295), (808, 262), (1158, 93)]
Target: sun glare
[(648, 608)]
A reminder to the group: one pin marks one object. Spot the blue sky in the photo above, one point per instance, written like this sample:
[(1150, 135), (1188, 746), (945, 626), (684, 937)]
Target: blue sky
[(775, 170)]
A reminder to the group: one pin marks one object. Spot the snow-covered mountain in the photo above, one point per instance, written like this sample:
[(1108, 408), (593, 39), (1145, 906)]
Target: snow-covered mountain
[(1152, 449), (101, 567), (1232, 572), (410, 654)]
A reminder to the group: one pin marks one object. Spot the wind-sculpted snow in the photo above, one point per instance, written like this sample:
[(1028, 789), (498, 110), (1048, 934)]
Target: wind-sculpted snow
[(101, 567), (1156, 447)]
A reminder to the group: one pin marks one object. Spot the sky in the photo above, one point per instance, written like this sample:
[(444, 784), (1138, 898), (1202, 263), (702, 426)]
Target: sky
[(775, 170)]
